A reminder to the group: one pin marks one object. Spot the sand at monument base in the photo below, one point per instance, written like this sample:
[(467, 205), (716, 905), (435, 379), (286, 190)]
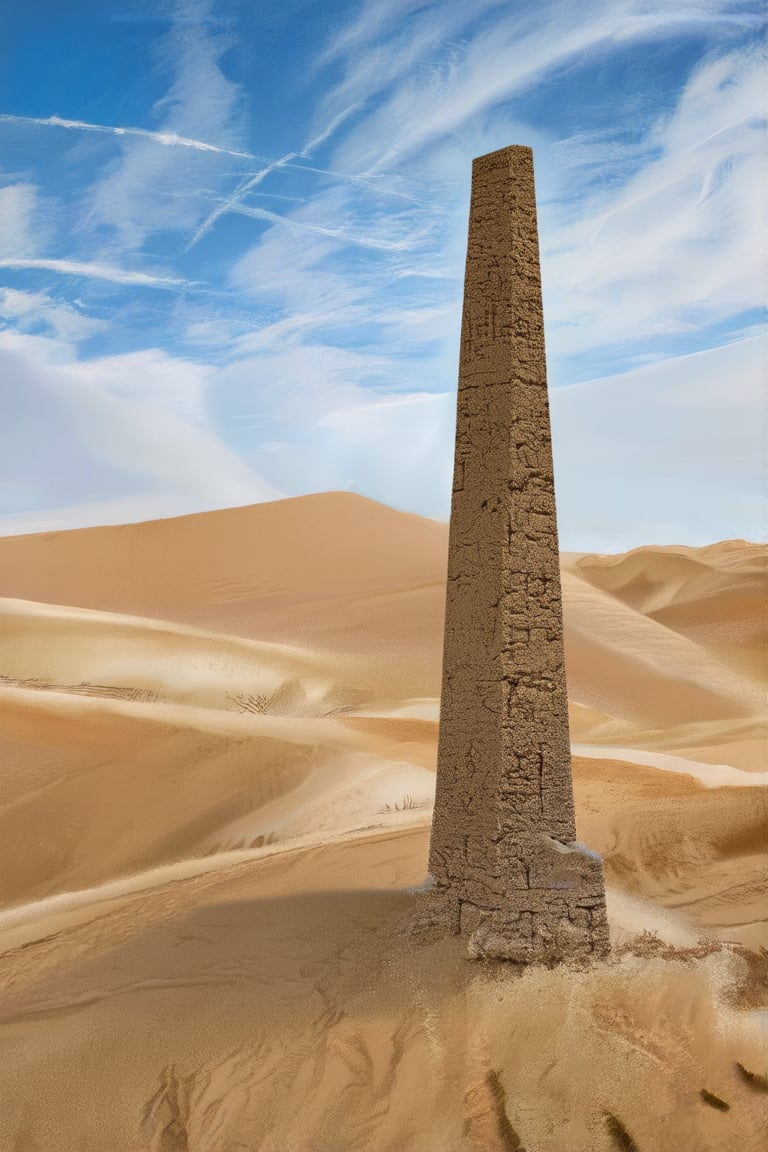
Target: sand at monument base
[(218, 741)]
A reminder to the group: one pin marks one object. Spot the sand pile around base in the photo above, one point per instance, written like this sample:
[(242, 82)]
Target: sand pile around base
[(278, 1006)]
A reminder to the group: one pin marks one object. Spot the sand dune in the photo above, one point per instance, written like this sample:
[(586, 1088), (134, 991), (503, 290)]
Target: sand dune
[(313, 570), (674, 841), (715, 596), (347, 575), (109, 655), (132, 741), (615, 653), (320, 546), (218, 737), (148, 783)]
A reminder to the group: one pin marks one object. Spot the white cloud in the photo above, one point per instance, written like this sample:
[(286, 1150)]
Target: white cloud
[(92, 514), (287, 270), (30, 311), (390, 41), (394, 449), (338, 337), (152, 380), (665, 247), (78, 435), (387, 300), (674, 452), (284, 393), (295, 265), (294, 221), (234, 201), (19, 223)]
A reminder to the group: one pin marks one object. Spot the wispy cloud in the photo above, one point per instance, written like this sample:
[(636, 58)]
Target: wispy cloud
[(235, 200), (296, 267), (94, 272), (167, 139), (33, 311), (679, 243), (289, 271), (341, 234), (201, 104), (20, 231), (502, 51)]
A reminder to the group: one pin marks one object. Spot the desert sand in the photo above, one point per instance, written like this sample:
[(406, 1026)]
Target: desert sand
[(218, 738)]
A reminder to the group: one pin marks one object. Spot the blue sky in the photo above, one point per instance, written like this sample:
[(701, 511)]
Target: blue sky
[(232, 239)]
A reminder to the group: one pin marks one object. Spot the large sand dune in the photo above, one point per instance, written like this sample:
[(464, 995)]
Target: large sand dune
[(333, 570), (218, 738)]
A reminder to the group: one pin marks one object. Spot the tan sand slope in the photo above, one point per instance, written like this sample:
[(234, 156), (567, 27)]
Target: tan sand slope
[(218, 741), (99, 787), (114, 786), (668, 838), (102, 654), (278, 1006), (664, 836), (129, 742), (717, 598), (327, 545), (331, 570), (340, 572), (668, 648), (715, 594)]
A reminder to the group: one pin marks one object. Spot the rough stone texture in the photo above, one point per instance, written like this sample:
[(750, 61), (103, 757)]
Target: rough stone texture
[(504, 868)]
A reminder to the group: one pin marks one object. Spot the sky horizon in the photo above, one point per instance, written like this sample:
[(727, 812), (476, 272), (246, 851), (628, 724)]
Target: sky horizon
[(232, 245)]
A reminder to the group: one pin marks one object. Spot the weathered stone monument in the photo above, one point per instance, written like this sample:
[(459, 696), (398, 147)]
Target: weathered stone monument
[(504, 866)]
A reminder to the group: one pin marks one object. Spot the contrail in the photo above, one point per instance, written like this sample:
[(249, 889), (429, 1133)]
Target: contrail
[(334, 233), (245, 187), (95, 272), (237, 196), (329, 131), (172, 140), (169, 139)]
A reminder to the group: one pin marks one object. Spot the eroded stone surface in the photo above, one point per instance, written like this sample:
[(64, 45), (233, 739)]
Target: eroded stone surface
[(502, 857)]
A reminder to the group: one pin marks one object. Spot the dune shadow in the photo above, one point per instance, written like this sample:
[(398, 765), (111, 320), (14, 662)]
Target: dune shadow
[(274, 952)]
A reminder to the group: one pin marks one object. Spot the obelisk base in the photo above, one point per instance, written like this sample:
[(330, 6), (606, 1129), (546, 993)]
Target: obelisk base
[(559, 915)]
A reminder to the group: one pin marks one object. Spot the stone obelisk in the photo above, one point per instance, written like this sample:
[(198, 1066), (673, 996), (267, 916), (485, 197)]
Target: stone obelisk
[(504, 868)]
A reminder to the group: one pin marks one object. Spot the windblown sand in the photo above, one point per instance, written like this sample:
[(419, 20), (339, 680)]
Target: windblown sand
[(218, 739)]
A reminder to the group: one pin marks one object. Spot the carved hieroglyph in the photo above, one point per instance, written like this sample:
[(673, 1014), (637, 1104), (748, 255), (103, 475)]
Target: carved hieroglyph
[(504, 866)]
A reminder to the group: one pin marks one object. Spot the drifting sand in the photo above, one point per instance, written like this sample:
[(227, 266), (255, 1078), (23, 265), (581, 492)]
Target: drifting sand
[(279, 1007), (218, 737)]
